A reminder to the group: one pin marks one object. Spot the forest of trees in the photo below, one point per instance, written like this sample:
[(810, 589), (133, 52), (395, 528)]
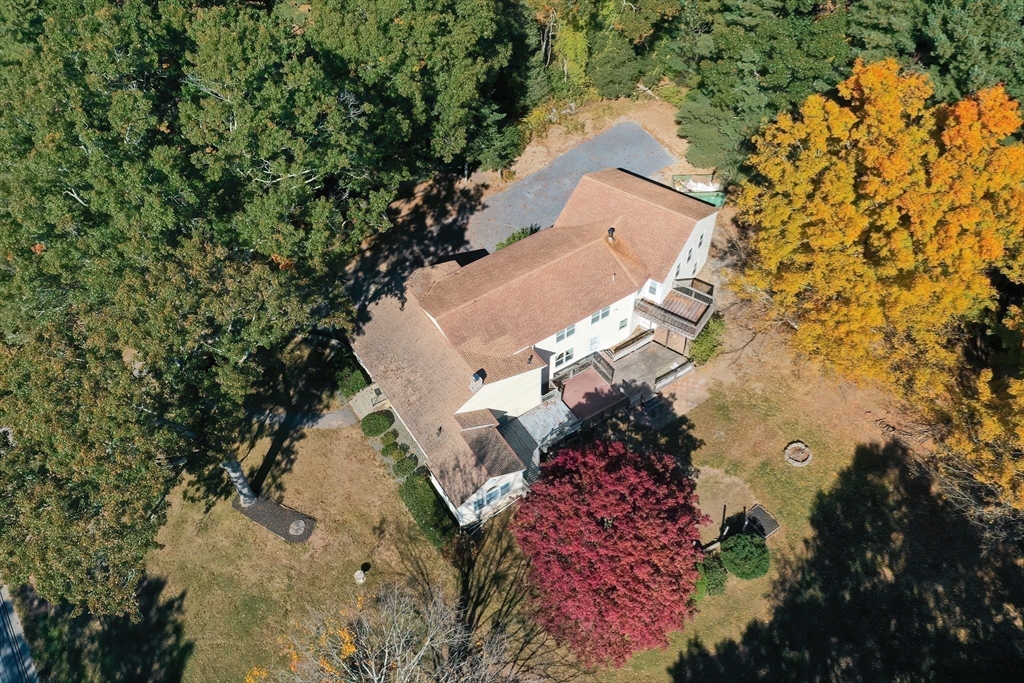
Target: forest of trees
[(184, 183)]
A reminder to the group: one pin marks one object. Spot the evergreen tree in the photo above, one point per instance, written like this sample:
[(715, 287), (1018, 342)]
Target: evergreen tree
[(183, 186)]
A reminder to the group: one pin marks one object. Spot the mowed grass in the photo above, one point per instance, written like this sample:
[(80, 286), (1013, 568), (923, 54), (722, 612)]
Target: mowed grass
[(744, 431), (244, 588)]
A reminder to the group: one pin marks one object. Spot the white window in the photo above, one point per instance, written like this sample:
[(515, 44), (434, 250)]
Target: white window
[(653, 289), (492, 495), (563, 358), (595, 343), (505, 488), (623, 323), (694, 272), (700, 242), (678, 266), (478, 504), (689, 255), (567, 332), (601, 315)]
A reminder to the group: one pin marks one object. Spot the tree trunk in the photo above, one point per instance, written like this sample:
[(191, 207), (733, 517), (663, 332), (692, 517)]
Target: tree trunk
[(245, 495)]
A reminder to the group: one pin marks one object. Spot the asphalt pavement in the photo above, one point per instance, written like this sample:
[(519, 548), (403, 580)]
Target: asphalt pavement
[(538, 198)]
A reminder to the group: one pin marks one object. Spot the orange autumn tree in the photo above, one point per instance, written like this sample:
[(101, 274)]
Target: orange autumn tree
[(876, 224), (876, 220)]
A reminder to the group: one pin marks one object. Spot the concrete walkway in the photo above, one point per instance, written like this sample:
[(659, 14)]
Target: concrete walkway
[(538, 198), (335, 419)]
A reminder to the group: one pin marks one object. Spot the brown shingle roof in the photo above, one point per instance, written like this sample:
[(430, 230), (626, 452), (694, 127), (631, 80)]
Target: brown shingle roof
[(493, 310), (657, 219), (519, 295), (426, 381), (500, 305)]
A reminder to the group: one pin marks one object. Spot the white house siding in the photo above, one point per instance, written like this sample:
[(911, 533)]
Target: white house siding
[(466, 514), (511, 396), (683, 267), (606, 330), (688, 269)]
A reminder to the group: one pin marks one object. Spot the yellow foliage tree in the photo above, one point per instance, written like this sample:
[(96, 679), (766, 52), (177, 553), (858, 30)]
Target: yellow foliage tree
[(986, 436), (876, 223), (876, 220)]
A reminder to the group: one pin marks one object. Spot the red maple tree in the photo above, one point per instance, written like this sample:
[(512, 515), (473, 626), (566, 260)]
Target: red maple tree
[(613, 543)]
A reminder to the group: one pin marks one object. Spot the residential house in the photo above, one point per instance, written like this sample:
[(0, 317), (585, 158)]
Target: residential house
[(489, 364)]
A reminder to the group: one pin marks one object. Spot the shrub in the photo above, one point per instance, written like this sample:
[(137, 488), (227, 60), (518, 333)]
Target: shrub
[(520, 234), (429, 511), (377, 423), (391, 450), (389, 437), (404, 467), (715, 573), (746, 556), (351, 381), (706, 345), (700, 589)]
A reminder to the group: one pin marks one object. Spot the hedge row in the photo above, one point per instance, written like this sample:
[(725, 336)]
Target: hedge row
[(429, 511)]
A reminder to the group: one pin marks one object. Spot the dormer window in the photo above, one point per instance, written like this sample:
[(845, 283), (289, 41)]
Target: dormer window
[(566, 333)]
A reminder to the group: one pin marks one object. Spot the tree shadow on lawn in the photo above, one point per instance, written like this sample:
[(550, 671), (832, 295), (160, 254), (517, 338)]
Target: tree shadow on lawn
[(673, 436), (108, 649), (895, 586), (295, 391), (495, 595)]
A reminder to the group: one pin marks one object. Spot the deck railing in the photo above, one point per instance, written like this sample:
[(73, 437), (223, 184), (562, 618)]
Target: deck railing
[(672, 375), (673, 321), (595, 360), (630, 345), (703, 292)]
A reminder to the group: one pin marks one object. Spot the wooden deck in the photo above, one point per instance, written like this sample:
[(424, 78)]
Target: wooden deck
[(587, 394), (684, 306), (637, 372)]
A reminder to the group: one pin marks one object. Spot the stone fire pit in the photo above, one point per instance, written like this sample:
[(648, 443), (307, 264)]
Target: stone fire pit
[(798, 454)]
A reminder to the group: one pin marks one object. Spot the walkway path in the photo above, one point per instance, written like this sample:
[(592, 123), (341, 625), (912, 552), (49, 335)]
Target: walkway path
[(538, 198), (335, 419)]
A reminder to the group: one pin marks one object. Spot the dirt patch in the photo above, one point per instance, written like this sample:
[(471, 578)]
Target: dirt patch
[(721, 496), (655, 116)]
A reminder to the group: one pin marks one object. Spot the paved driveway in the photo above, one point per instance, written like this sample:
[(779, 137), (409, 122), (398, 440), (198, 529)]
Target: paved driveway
[(539, 198)]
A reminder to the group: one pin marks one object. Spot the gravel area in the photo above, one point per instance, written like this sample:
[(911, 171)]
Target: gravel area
[(538, 198)]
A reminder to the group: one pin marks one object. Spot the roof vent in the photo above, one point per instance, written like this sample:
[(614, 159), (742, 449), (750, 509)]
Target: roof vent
[(611, 235)]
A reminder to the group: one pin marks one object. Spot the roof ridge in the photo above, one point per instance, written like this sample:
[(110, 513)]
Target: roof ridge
[(618, 259), (533, 270)]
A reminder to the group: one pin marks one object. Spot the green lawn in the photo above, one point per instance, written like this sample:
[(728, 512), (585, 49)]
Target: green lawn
[(871, 573), (243, 588)]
